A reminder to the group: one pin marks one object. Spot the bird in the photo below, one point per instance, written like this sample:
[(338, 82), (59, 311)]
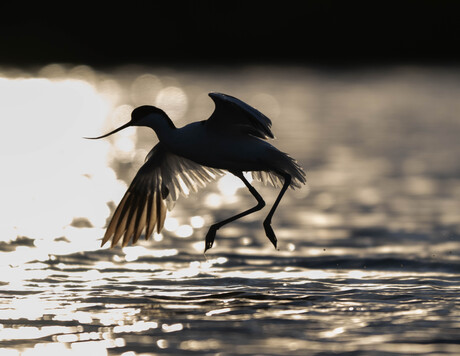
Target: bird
[(233, 139)]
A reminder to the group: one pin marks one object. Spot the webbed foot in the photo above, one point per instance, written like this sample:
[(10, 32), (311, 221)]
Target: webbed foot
[(210, 236), (270, 233)]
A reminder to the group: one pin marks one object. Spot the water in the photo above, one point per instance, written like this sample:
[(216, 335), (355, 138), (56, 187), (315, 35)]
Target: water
[(368, 260)]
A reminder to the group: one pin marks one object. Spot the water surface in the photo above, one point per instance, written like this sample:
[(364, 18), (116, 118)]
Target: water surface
[(368, 259)]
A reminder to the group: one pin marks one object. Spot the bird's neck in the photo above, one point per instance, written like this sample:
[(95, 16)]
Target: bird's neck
[(164, 129)]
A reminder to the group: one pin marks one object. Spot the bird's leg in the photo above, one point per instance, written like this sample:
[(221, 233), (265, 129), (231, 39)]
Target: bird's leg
[(213, 229), (268, 220)]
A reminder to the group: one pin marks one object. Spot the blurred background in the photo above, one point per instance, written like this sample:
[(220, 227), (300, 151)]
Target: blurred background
[(363, 95), (205, 33)]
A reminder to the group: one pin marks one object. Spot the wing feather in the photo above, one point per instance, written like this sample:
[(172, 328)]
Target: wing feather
[(157, 184), (161, 213), (285, 164), (151, 218), (140, 220), (112, 226), (234, 115)]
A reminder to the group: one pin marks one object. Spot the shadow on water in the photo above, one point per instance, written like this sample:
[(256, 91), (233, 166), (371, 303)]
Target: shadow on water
[(368, 261)]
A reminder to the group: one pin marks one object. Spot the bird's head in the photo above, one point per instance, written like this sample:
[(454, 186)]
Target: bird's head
[(145, 115)]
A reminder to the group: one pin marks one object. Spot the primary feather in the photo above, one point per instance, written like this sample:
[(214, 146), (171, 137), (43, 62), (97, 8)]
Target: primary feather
[(235, 116)]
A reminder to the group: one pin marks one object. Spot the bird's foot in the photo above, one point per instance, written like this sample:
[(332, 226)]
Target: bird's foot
[(210, 236), (270, 233)]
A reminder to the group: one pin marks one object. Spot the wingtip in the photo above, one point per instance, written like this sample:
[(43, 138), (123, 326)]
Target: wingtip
[(215, 94)]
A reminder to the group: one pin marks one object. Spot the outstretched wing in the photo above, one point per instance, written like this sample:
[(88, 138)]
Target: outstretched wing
[(157, 184), (233, 115)]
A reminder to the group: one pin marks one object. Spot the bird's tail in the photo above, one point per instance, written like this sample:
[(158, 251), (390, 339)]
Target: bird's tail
[(282, 164)]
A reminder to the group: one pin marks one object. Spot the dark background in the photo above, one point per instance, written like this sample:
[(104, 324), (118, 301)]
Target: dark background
[(208, 32)]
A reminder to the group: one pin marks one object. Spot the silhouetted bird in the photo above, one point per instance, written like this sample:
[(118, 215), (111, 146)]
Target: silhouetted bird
[(232, 139)]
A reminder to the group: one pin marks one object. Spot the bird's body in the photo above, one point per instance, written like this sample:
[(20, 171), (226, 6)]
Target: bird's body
[(216, 149), (232, 139)]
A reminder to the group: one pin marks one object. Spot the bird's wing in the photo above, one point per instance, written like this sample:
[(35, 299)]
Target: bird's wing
[(157, 184), (233, 115)]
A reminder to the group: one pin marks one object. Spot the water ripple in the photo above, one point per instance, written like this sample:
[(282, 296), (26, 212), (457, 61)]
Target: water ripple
[(369, 256)]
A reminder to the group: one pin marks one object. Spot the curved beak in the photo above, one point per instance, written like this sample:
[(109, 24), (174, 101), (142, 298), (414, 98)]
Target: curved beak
[(111, 132)]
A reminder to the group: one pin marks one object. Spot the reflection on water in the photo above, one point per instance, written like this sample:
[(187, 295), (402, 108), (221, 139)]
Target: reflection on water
[(369, 256)]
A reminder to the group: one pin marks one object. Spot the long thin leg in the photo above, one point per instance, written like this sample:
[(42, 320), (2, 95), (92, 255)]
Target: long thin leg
[(210, 236), (268, 220)]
